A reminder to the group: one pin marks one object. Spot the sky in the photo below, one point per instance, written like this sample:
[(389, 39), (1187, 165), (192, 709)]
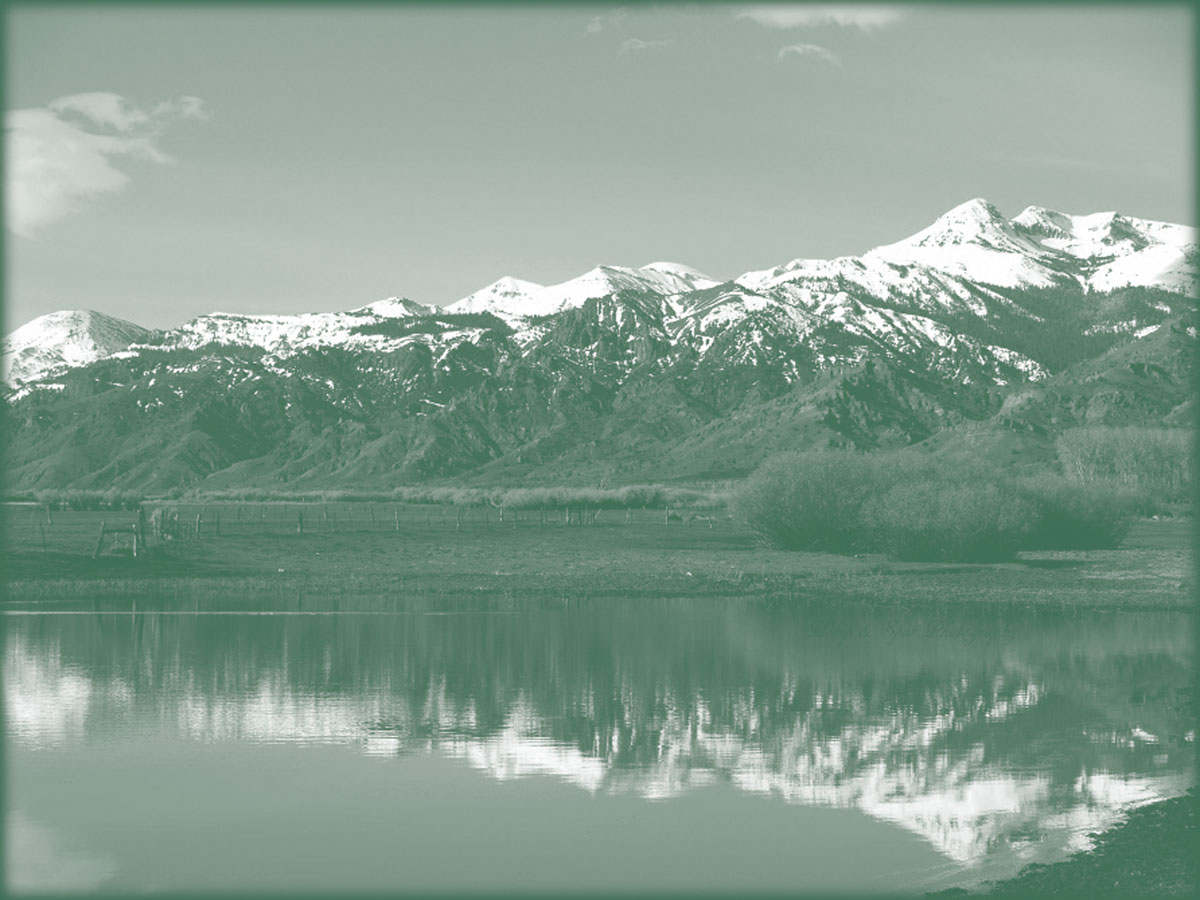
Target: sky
[(166, 163)]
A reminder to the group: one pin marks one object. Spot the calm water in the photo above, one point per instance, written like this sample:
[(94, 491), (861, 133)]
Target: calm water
[(674, 745)]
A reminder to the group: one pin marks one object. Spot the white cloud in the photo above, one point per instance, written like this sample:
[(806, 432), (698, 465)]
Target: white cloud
[(608, 20), (637, 45), (183, 107), (102, 108), (804, 16), (63, 154), (813, 50)]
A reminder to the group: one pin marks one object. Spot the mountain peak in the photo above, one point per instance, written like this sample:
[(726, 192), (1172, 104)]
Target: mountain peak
[(508, 282), (505, 295), (979, 207), (394, 308), (65, 338), (970, 221), (1042, 221), (974, 241), (677, 269), (512, 298)]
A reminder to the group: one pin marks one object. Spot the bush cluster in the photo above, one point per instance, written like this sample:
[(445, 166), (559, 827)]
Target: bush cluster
[(916, 507), (1153, 465)]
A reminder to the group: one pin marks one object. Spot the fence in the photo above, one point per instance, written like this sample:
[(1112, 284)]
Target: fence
[(33, 528)]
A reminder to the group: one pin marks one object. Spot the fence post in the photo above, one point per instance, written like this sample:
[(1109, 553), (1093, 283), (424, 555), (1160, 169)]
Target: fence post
[(198, 523), (396, 515), (42, 529), (99, 541), (300, 522), (49, 515), (667, 516)]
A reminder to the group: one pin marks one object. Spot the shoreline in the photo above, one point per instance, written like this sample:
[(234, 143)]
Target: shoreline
[(1155, 851)]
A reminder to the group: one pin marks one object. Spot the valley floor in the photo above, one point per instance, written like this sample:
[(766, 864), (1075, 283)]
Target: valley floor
[(425, 554)]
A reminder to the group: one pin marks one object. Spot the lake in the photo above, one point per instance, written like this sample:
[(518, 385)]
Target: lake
[(258, 744)]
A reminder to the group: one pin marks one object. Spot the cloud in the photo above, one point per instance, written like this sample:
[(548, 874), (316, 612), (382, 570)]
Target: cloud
[(813, 50), (63, 154), (637, 45), (864, 18), (102, 108), (184, 107), (608, 20)]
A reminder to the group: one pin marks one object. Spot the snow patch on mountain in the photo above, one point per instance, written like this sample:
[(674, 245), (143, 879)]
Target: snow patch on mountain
[(974, 241), (956, 270), (679, 270), (1123, 251), (953, 263), (1162, 266), (283, 333), (507, 297), (65, 339), (393, 308), (518, 299)]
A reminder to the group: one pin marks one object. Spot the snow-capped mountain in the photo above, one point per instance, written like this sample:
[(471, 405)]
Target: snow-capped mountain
[(963, 264), (289, 333), (1126, 251), (60, 340), (913, 337), (973, 245), (511, 298), (507, 297)]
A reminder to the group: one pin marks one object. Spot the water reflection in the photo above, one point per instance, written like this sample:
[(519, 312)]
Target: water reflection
[(995, 735)]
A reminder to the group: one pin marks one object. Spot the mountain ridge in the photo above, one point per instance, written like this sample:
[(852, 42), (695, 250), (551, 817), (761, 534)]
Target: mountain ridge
[(651, 372)]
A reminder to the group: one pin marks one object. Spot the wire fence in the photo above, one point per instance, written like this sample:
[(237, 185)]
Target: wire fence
[(41, 528)]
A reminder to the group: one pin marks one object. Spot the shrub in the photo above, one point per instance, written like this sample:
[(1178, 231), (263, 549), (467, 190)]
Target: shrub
[(920, 507), (811, 500), (1074, 516), (938, 520), (1155, 464)]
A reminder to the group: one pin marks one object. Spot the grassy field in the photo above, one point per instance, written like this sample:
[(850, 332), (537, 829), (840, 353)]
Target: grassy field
[(348, 553)]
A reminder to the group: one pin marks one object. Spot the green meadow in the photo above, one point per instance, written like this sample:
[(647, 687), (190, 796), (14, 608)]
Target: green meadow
[(324, 554)]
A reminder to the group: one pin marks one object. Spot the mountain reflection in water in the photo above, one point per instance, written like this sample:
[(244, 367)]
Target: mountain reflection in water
[(985, 731)]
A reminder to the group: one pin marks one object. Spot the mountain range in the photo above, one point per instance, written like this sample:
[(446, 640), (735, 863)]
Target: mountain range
[(979, 332)]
